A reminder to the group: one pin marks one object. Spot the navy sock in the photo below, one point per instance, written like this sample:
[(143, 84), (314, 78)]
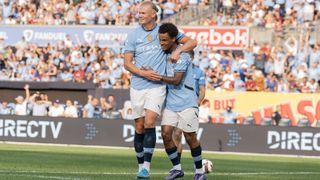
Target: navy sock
[(173, 155), (138, 147), (149, 143), (196, 155), (179, 154)]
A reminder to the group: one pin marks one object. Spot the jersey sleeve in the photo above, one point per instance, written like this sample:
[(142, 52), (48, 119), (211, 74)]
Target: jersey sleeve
[(182, 64), (180, 36), (130, 43)]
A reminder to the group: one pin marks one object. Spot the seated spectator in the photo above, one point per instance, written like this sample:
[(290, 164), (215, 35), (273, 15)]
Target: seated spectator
[(128, 115), (56, 110), (5, 109), (239, 85), (70, 110), (272, 83), (250, 84), (21, 103)]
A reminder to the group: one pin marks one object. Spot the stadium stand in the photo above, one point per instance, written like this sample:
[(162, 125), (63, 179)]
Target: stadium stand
[(261, 66), (285, 122), (266, 122), (303, 123), (249, 121)]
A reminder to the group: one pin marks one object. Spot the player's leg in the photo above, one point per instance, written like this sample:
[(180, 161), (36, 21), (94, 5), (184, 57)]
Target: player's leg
[(177, 137), (137, 101), (169, 121), (149, 138), (190, 124), (138, 141), (153, 107)]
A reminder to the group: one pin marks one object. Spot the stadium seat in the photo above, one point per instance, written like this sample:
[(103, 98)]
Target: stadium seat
[(285, 122), (266, 122), (303, 123), (318, 123), (249, 121)]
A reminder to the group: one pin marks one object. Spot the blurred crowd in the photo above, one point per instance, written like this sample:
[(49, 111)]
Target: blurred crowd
[(38, 104), (84, 12), (275, 14), (65, 61), (263, 67), (260, 67)]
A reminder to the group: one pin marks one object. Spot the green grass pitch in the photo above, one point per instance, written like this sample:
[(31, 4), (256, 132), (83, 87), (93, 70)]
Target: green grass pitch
[(30, 162)]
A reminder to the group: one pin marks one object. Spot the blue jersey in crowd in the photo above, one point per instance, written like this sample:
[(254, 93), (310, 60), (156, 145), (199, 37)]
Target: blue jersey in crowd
[(147, 53), (199, 78), (182, 96)]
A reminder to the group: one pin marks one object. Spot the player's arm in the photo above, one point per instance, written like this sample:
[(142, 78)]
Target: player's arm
[(202, 93), (202, 87), (175, 80), (188, 44), (146, 73)]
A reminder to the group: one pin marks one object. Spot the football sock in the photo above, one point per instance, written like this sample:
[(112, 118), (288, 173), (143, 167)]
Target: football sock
[(148, 146), (138, 146), (196, 155), (173, 156)]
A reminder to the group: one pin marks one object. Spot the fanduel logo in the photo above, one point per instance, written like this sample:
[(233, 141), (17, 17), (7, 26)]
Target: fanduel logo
[(128, 134), (290, 140), (29, 129), (30, 34)]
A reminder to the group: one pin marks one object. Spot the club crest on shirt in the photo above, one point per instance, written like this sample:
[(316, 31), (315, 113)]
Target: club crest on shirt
[(149, 38)]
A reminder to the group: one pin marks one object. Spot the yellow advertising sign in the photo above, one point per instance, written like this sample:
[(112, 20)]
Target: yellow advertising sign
[(263, 104)]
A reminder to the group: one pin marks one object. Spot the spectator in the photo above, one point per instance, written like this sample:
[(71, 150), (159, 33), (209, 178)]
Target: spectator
[(5, 109), (204, 111), (56, 110), (276, 116), (39, 106), (128, 115), (91, 109), (239, 85), (21, 103), (70, 110), (229, 116)]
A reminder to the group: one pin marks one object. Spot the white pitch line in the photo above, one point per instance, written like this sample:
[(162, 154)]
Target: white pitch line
[(39, 176), (155, 173)]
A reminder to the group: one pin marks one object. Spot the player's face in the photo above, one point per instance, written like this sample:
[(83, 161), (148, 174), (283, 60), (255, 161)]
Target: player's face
[(146, 14), (166, 42)]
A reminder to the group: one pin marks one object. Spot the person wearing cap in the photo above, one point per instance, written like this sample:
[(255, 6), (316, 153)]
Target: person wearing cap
[(229, 116), (21, 103), (147, 94), (56, 110)]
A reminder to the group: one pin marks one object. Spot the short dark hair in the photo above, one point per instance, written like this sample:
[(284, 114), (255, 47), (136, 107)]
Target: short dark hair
[(169, 28)]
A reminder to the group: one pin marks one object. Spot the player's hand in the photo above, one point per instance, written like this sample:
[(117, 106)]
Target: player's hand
[(150, 74), (175, 55)]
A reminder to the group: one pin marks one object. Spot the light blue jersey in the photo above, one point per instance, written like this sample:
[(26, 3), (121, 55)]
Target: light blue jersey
[(199, 79), (147, 53), (183, 96)]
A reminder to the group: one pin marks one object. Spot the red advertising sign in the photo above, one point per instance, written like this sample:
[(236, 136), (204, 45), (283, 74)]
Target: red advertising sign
[(219, 37)]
